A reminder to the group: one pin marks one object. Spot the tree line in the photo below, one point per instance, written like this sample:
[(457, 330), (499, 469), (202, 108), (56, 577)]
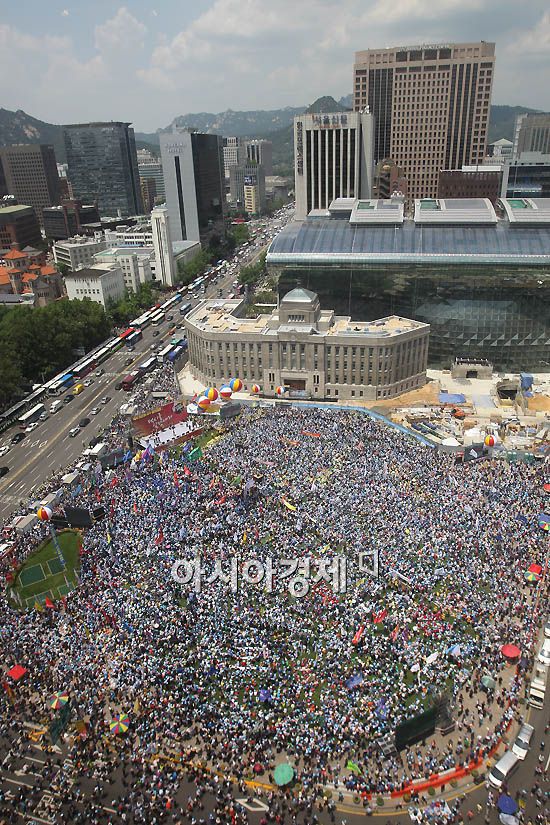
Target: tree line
[(36, 344)]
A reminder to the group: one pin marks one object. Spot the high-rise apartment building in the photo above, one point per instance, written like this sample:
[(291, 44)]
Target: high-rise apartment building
[(333, 158), (431, 107), (30, 175), (103, 168), (532, 134), (192, 163), (261, 151)]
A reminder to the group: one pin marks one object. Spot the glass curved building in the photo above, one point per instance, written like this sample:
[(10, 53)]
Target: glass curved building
[(482, 282)]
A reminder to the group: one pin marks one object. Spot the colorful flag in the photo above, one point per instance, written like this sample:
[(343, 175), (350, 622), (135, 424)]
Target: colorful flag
[(176, 481), (394, 633), (49, 603), (353, 767), (38, 607), (159, 539), (358, 636), (379, 617)]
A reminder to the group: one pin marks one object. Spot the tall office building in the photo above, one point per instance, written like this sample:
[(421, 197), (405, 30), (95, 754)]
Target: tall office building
[(247, 174), (431, 107), (261, 151), (192, 163), (333, 158), (166, 269), (234, 152), (29, 173), (150, 167), (103, 166)]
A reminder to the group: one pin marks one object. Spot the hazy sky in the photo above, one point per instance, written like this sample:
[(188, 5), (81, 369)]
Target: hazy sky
[(71, 60)]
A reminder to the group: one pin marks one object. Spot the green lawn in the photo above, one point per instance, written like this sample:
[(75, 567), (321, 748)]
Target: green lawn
[(41, 576)]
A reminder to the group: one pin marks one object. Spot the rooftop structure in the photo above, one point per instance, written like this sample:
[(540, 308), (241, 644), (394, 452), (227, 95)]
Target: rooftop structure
[(481, 281)]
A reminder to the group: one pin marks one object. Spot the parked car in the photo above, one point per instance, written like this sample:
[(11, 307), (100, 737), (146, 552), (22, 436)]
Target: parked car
[(74, 432), (4, 471), (68, 399), (17, 438), (83, 422), (522, 741), (32, 426), (44, 415), (99, 373), (94, 411), (88, 382), (5, 449), (105, 399)]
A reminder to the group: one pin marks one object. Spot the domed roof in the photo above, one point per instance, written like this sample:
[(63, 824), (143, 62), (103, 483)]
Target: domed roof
[(299, 295)]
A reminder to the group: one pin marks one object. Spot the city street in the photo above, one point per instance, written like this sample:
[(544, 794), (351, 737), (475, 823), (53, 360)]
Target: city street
[(49, 447)]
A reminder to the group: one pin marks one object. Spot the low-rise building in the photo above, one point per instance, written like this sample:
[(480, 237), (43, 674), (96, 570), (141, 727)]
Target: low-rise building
[(100, 283), (79, 251), (135, 264), (23, 274), (471, 182), (311, 352)]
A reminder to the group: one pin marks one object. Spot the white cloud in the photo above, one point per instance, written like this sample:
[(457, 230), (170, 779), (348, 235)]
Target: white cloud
[(534, 42), (123, 31)]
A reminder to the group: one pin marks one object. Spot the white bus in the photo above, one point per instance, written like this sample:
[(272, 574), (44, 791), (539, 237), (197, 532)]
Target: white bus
[(157, 318), (31, 416), (164, 353)]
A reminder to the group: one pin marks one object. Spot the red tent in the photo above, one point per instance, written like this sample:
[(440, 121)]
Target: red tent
[(16, 672), (536, 569), (546, 488), (510, 651)]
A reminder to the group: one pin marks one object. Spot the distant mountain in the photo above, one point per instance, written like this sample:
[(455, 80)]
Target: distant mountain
[(274, 124), (502, 120), (19, 127), (326, 104)]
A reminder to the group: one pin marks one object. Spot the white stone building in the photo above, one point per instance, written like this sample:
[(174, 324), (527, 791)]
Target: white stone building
[(310, 351), (100, 283)]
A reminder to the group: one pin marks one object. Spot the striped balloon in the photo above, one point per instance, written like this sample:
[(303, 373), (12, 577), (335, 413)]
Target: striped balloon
[(203, 402), (255, 389), (211, 393), (44, 513), (236, 384), (225, 392)]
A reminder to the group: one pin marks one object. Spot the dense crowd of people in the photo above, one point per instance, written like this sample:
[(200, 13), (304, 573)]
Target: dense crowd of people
[(227, 605)]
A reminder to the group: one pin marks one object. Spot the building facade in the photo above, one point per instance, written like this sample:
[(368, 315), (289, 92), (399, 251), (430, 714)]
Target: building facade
[(471, 182), (260, 152), (78, 252), (102, 165), (166, 267), (311, 352), (134, 263), (233, 153), (194, 180), (150, 168), (19, 225), (333, 158), (532, 134), (481, 281), (243, 175), (431, 106), (30, 173), (101, 283), (68, 219)]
